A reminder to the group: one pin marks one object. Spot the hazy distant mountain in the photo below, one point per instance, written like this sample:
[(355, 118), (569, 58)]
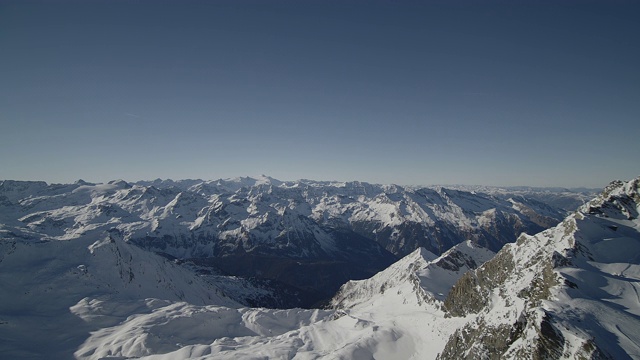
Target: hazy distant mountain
[(568, 199)]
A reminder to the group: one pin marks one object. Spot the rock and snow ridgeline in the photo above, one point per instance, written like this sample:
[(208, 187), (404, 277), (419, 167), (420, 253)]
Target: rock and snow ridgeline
[(567, 292)]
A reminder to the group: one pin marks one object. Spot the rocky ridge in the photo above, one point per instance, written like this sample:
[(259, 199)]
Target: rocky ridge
[(567, 292)]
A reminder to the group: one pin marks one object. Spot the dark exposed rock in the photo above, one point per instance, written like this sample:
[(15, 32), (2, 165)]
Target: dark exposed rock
[(481, 341), (470, 293), (550, 342)]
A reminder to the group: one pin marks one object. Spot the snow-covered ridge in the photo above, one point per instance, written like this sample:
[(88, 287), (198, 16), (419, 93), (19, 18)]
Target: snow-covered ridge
[(558, 294), (567, 292), (399, 321), (432, 276)]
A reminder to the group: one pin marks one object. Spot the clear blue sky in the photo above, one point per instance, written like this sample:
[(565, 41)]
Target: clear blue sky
[(543, 93)]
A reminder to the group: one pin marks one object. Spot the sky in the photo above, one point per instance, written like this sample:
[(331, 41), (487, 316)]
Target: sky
[(539, 93)]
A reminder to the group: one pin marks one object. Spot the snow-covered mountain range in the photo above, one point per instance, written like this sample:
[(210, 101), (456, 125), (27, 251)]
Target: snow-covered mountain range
[(569, 291), (288, 232), (195, 219)]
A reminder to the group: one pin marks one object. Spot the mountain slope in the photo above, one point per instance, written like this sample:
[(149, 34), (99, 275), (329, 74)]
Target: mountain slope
[(395, 314), (568, 292), (385, 319), (431, 276), (47, 286)]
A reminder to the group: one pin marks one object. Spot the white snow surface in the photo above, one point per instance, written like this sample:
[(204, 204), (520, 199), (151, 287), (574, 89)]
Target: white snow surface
[(400, 321), (397, 323), (55, 292)]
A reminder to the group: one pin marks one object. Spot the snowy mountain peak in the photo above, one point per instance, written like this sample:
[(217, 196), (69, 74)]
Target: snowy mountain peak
[(429, 276), (120, 184), (358, 292), (617, 196), (81, 182), (14, 190)]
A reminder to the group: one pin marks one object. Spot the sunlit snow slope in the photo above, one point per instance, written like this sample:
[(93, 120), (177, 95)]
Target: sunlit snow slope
[(46, 287), (394, 315)]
